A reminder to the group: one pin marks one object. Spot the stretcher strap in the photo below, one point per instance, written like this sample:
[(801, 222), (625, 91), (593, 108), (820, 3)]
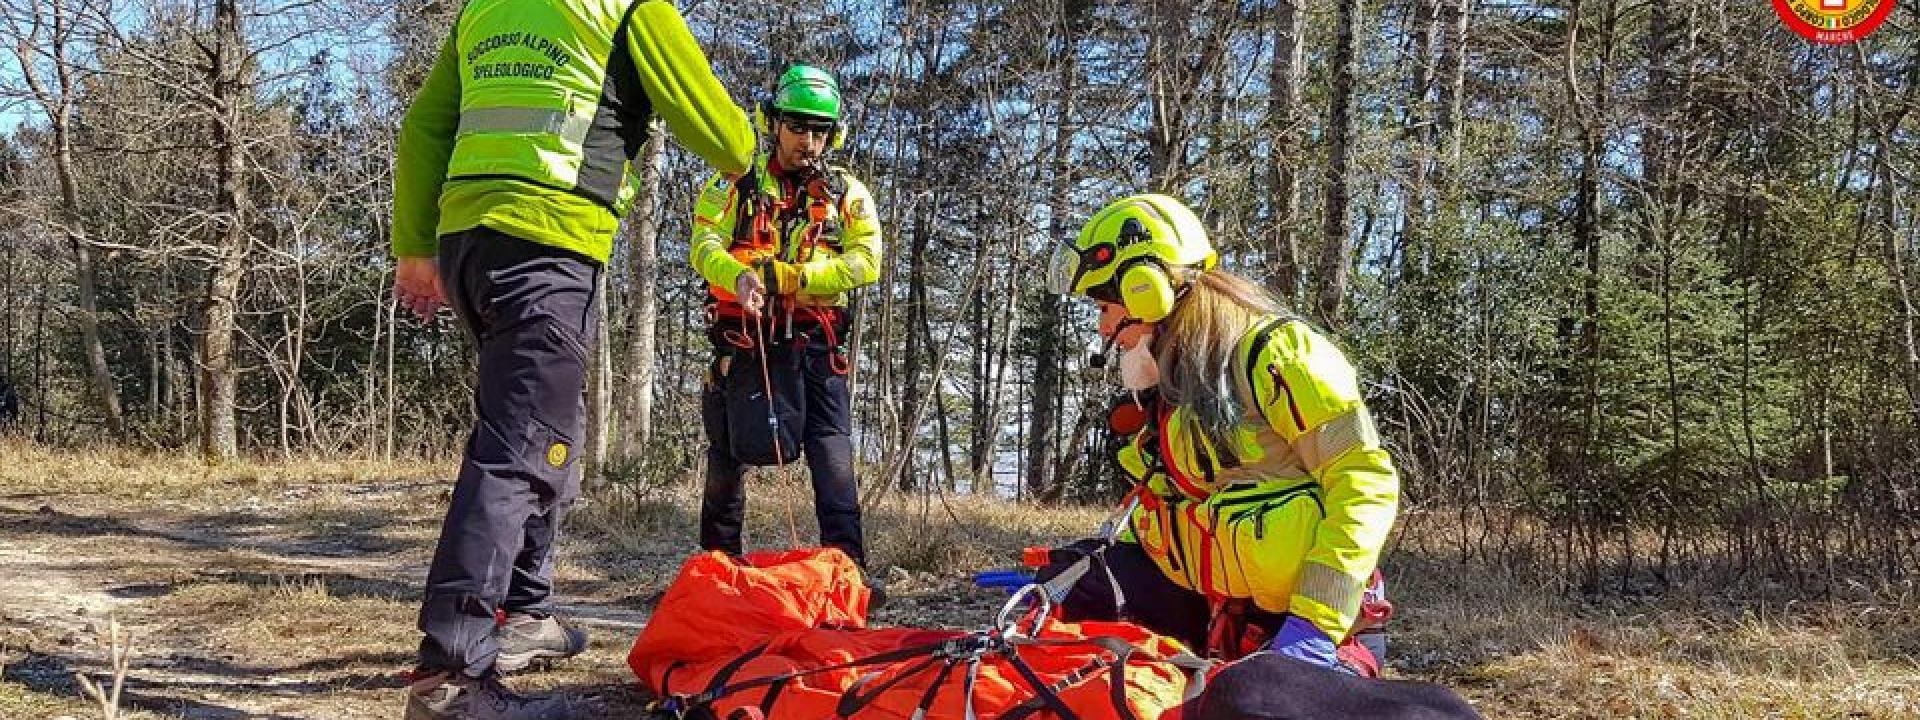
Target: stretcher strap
[(853, 700), (679, 704), (966, 689), (1039, 686), (971, 649), (939, 680)]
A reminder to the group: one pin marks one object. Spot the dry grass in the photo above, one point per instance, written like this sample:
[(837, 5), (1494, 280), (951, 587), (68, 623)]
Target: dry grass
[(944, 536), (1514, 645), (19, 701), (139, 474), (292, 621), (1521, 652)]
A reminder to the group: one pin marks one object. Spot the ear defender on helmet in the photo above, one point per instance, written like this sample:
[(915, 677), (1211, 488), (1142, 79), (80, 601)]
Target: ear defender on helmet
[(1143, 285), (1146, 290)]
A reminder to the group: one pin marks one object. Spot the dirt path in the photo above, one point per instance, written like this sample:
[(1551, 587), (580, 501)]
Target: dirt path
[(298, 600), (277, 608)]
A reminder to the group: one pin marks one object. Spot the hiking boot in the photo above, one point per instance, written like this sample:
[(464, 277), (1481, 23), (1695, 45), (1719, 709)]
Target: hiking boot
[(458, 697), (525, 638), (876, 590)]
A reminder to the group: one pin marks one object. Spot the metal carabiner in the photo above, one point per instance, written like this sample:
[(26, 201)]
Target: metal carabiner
[(1008, 624)]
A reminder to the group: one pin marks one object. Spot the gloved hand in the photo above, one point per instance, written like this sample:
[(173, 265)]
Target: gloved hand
[(1304, 641), (781, 278), (748, 289)]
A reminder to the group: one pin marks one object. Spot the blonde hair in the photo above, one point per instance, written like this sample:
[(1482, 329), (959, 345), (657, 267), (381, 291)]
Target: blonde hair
[(1195, 346)]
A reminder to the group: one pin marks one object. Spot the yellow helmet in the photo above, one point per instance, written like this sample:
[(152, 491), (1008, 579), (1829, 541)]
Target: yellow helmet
[(1126, 252)]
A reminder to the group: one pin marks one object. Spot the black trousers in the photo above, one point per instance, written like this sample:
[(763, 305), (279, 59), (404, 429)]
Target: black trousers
[(805, 364), (1151, 599), (530, 310)]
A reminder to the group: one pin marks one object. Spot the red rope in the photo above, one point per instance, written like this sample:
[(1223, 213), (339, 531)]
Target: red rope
[(773, 419)]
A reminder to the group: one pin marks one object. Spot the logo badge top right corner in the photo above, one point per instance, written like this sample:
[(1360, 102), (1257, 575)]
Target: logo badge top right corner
[(1833, 22)]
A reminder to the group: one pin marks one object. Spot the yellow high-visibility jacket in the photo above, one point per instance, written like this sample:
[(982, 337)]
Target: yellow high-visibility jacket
[(530, 118), (834, 255), (1297, 519)]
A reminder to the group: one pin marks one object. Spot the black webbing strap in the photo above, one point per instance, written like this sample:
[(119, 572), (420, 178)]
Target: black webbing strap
[(1125, 652), (716, 691), (733, 666), (853, 700), (1052, 699), (773, 693), (927, 698), (666, 676)]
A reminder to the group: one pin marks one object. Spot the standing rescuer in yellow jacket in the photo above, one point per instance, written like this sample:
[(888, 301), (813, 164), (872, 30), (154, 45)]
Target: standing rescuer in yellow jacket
[(780, 248), (512, 174), (1265, 495)]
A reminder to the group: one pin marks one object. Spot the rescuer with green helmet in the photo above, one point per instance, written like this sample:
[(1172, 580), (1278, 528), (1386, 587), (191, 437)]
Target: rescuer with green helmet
[(1265, 496), (513, 171), (780, 249)]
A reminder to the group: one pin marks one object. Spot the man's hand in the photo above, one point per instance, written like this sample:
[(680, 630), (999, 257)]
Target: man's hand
[(416, 284), (749, 291)]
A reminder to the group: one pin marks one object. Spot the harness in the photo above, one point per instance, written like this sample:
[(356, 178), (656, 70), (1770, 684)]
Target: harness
[(766, 222), (760, 233)]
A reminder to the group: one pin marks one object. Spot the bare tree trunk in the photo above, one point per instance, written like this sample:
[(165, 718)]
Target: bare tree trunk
[(1285, 81), (57, 102), (1042, 426), (1336, 249), (978, 444), (996, 395), (175, 399), (105, 390), (1568, 459), (1909, 315), (152, 336), (1415, 132), (393, 392), (370, 390), (296, 415), (1167, 89), (219, 440), (40, 364), (9, 344), (599, 398), (1452, 75), (1896, 247), (643, 305), (937, 394), (916, 349)]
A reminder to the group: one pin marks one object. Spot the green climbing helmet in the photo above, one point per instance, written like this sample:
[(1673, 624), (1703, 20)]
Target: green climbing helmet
[(808, 90)]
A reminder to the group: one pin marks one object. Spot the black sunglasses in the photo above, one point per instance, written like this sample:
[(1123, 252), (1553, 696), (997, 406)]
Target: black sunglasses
[(799, 126)]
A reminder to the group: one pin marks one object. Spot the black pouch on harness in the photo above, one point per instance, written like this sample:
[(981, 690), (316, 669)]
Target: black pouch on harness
[(763, 429)]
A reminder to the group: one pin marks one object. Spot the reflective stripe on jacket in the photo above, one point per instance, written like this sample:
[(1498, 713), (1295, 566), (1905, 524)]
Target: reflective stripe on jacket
[(534, 111), (1297, 521)]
